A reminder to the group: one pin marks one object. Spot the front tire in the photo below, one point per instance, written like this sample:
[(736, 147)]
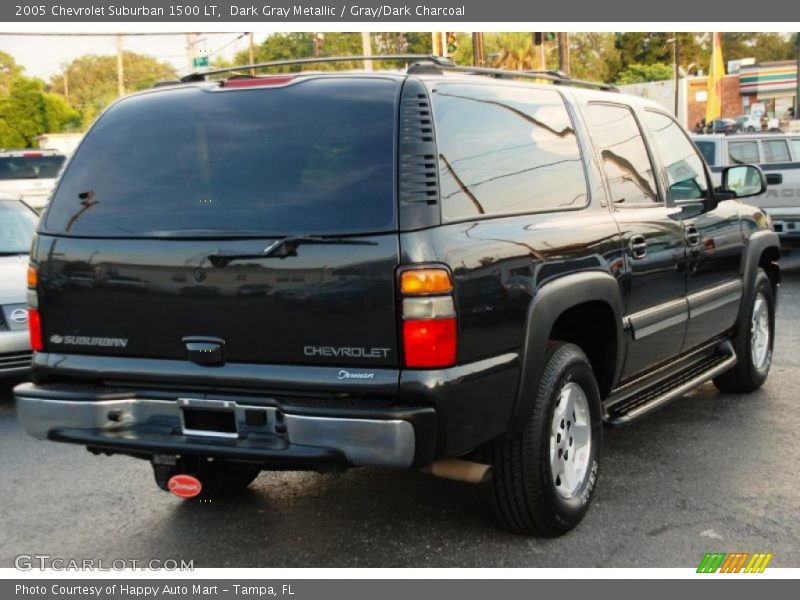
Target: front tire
[(543, 481), (752, 340)]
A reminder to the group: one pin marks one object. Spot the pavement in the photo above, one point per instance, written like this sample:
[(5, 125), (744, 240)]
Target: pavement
[(709, 472)]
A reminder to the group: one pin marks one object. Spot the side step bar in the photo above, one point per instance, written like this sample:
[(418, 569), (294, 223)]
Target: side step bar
[(623, 408)]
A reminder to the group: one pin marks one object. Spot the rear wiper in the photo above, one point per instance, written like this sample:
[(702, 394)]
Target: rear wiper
[(284, 248)]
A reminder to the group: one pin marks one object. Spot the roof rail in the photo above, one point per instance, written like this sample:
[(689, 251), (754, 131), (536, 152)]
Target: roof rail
[(432, 58), (557, 77)]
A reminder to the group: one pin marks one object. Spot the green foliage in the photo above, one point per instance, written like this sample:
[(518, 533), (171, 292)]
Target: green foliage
[(639, 73), (92, 80), (8, 70), (764, 47), (28, 111)]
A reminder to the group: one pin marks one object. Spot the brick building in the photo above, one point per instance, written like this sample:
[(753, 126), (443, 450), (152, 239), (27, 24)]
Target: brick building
[(697, 94)]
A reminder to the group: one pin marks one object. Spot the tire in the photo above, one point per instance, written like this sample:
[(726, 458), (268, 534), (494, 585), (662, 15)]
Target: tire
[(755, 353), (528, 494), (218, 478)]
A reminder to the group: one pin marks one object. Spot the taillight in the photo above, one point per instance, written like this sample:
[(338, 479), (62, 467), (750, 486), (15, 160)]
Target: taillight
[(35, 329), (34, 321), (430, 331)]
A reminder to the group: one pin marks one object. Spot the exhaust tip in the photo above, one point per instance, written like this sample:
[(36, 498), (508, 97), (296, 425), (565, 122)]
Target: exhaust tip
[(460, 470)]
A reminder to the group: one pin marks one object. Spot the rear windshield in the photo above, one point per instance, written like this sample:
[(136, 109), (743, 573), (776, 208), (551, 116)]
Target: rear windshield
[(30, 167), (707, 150), (311, 158)]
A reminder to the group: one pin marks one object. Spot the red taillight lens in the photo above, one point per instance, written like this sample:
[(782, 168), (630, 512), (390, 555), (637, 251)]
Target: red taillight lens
[(430, 342), (35, 329)]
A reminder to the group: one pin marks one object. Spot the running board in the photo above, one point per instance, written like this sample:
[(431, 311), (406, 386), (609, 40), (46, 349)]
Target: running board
[(623, 408)]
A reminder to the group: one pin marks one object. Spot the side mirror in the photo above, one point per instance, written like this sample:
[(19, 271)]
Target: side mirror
[(742, 180)]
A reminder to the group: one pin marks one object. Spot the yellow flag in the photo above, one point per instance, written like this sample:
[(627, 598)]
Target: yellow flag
[(715, 74)]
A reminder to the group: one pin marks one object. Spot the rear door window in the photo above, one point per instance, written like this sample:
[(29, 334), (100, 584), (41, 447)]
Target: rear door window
[(505, 150), (315, 157), (796, 149), (743, 153), (776, 151), (708, 150), (627, 166)]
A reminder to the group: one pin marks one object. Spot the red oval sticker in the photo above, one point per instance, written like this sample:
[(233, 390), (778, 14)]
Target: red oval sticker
[(184, 486)]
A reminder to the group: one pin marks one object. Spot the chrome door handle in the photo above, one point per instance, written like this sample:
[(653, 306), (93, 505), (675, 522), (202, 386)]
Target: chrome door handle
[(692, 235), (638, 246)]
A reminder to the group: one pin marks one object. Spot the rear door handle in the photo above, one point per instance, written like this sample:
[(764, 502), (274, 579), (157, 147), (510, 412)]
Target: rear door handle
[(638, 246), (692, 235)]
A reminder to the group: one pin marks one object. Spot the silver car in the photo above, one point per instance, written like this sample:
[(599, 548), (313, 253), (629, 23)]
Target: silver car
[(30, 174), (17, 226)]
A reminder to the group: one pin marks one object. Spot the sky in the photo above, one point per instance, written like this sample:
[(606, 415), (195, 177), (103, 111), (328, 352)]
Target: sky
[(44, 56)]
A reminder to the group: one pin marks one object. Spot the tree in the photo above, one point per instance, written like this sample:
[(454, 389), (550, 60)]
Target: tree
[(594, 56), (8, 70), (28, 111), (92, 80), (763, 47), (649, 48), (639, 73)]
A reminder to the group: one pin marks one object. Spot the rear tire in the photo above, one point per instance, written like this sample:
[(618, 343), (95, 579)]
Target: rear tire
[(752, 340), (538, 487), (218, 478)]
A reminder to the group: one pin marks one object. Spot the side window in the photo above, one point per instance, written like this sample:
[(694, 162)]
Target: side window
[(743, 153), (505, 150), (796, 149), (625, 161), (686, 174), (707, 149), (775, 151)]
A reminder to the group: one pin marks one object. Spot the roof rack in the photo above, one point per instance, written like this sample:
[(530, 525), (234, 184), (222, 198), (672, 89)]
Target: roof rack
[(557, 77), (431, 58)]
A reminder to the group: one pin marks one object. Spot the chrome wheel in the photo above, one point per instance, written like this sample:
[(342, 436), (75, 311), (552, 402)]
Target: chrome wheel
[(570, 440), (759, 333)]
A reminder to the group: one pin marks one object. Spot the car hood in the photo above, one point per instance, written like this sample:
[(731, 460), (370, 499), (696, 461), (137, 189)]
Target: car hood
[(13, 279)]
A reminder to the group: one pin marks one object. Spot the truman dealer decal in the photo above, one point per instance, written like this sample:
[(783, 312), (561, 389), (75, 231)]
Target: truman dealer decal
[(349, 352), (85, 340)]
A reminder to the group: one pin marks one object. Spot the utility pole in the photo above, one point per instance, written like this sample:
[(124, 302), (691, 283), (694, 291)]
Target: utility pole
[(797, 77), (66, 84), (252, 54), (120, 71), (366, 46), (478, 51), (676, 55), (437, 47), (563, 51), (191, 41)]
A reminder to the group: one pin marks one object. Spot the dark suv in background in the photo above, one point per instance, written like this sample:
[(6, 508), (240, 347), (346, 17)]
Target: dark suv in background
[(444, 268)]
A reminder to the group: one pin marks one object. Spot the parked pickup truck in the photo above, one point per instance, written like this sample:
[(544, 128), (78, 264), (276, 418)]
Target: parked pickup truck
[(778, 155), (452, 269)]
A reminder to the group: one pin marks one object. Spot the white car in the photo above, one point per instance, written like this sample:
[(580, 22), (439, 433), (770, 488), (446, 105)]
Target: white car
[(748, 124), (30, 174), (17, 226), (778, 155)]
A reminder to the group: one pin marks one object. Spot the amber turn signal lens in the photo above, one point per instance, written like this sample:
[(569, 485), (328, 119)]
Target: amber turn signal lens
[(425, 281), (33, 277)]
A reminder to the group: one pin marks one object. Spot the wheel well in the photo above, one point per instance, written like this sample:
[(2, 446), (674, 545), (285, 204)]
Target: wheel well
[(769, 262), (592, 327)]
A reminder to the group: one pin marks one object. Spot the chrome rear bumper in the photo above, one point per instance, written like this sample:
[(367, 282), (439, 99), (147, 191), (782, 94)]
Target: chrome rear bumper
[(155, 425)]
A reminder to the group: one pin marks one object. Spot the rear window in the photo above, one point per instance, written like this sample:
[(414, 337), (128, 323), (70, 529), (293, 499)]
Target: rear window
[(311, 158), (776, 151), (743, 153), (707, 149), (30, 167)]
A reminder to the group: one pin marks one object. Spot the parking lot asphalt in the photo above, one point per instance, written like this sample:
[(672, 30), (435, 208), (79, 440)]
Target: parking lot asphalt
[(710, 472)]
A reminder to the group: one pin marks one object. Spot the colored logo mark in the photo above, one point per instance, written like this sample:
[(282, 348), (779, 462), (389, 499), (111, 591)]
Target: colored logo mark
[(736, 562)]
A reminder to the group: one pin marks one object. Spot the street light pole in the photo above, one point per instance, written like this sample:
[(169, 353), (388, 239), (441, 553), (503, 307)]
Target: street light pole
[(797, 78), (676, 53)]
